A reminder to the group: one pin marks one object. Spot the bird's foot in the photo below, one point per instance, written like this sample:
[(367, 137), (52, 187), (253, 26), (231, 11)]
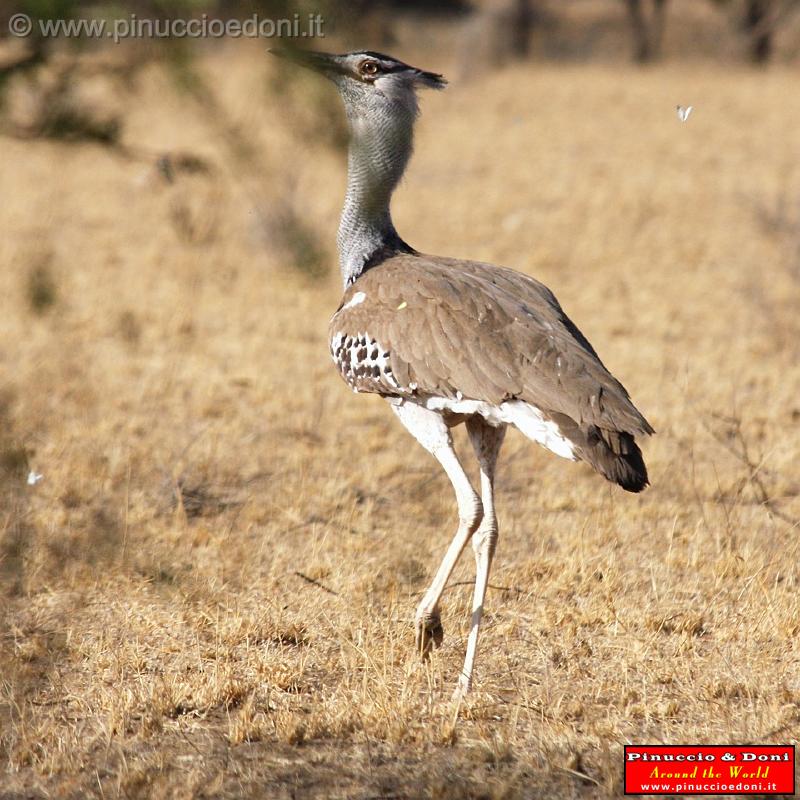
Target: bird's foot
[(429, 631)]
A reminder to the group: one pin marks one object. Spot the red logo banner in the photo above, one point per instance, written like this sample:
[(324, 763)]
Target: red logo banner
[(709, 769)]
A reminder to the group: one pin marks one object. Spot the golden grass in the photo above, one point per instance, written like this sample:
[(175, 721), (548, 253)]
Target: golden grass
[(169, 377)]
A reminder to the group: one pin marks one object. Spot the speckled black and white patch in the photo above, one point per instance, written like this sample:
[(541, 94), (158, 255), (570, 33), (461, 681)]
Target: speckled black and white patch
[(363, 362)]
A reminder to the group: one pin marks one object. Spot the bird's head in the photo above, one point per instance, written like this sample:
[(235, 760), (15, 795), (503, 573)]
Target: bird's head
[(369, 82)]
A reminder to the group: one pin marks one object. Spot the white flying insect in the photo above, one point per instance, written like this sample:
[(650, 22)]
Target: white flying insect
[(683, 113), (34, 478)]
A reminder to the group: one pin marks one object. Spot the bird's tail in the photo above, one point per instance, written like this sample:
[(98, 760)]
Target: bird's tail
[(616, 456)]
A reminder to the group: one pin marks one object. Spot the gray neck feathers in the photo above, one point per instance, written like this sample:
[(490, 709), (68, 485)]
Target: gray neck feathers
[(380, 147)]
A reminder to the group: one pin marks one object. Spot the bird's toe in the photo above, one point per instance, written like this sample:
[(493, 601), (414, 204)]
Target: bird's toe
[(430, 632)]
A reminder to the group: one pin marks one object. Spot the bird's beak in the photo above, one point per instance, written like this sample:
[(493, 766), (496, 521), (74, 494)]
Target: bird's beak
[(325, 63)]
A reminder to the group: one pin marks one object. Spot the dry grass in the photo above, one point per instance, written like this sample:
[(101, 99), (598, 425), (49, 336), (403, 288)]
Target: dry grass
[(169, 377)]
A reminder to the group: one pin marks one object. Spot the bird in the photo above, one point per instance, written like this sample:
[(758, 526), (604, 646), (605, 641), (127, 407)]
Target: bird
[(448, 341)]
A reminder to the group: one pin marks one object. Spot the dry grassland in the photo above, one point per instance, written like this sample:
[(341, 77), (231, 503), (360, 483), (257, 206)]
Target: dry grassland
[(165, 369)]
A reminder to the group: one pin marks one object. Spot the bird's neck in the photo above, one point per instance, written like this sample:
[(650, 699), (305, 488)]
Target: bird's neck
[(379, 151)]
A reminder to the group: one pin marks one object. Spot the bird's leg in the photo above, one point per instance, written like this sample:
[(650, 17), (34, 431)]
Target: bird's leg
[(486, 441), (428, 622), (430, 430)]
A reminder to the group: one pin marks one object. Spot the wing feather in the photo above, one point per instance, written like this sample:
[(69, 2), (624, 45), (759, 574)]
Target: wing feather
[(487, 333)]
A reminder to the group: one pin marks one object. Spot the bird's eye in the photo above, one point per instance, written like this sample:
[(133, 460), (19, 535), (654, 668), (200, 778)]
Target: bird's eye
[(369, 68)]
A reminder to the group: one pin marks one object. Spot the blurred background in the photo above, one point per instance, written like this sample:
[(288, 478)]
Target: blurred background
[(80, 88), (83, 88), (472, 38)]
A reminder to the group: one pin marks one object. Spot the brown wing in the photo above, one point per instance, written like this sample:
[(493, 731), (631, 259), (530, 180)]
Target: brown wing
[(428, 326)]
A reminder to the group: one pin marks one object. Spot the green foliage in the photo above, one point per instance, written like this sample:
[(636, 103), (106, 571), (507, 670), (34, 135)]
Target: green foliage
[(50, 9)]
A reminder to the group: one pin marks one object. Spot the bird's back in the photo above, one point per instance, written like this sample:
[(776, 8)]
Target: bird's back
[(422, 327)]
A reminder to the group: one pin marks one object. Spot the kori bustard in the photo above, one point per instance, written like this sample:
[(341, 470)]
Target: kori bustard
[(447, 341)]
